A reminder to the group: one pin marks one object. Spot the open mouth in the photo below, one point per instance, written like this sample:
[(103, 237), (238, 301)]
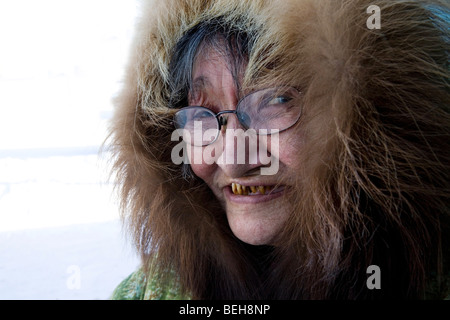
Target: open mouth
[(238, 189)]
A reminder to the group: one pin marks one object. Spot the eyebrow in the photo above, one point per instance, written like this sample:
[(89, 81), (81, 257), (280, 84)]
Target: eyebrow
[(198, 86), (200, 83)]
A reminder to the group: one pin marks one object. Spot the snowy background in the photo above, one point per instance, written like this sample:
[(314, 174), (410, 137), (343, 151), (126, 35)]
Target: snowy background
[(61, 63)]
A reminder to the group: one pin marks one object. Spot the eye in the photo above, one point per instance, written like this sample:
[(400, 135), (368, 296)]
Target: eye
[(202, 114), (274, 101), (279, 100)]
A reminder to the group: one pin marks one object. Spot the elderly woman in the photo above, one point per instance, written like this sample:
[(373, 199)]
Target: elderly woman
[(286, 150)]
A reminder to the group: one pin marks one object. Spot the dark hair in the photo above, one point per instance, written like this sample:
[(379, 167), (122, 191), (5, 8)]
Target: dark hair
[(217, 34)]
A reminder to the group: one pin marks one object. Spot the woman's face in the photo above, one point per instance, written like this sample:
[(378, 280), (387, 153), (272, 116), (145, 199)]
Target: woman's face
[(257, 215)]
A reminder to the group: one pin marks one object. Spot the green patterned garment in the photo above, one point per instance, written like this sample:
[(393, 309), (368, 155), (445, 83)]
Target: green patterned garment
[(138, 287)]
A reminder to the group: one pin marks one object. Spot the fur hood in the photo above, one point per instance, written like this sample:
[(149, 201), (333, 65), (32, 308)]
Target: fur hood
[(375, 180)]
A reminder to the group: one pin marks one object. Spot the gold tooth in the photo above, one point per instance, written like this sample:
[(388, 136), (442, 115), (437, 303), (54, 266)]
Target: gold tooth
[(245, 190), (239, 188), (261, 190)]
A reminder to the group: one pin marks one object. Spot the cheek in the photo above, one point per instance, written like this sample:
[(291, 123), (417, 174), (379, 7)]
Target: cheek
[(289, 153), (200, 168), (204, 172), (288, 150)]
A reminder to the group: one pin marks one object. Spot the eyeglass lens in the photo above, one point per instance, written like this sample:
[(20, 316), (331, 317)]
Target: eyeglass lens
[(269, 109)]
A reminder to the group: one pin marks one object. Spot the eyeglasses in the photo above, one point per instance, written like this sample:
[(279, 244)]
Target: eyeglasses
[(264, 110)]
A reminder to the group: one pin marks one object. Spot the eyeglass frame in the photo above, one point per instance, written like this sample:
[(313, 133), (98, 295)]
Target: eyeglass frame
[(235, 112)]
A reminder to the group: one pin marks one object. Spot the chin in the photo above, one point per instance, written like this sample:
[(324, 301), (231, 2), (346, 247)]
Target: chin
[(259, 232), (254, 240)]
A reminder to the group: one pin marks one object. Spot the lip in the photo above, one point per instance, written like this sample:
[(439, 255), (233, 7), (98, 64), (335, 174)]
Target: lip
[(254, 199)]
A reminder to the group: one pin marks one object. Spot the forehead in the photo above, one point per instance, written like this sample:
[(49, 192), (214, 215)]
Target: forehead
[(210, 63), (214, 76), (215, 68)]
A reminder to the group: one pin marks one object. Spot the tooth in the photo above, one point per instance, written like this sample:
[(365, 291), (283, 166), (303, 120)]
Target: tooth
[(261, 190), (253, 189), (238, 187), (245, 190), (233, 187)]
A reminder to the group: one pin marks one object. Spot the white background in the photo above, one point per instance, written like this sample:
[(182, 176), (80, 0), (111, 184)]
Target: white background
[(61, 63)]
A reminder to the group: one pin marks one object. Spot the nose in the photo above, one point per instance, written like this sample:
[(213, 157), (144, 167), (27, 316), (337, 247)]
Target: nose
[(239, 149)]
